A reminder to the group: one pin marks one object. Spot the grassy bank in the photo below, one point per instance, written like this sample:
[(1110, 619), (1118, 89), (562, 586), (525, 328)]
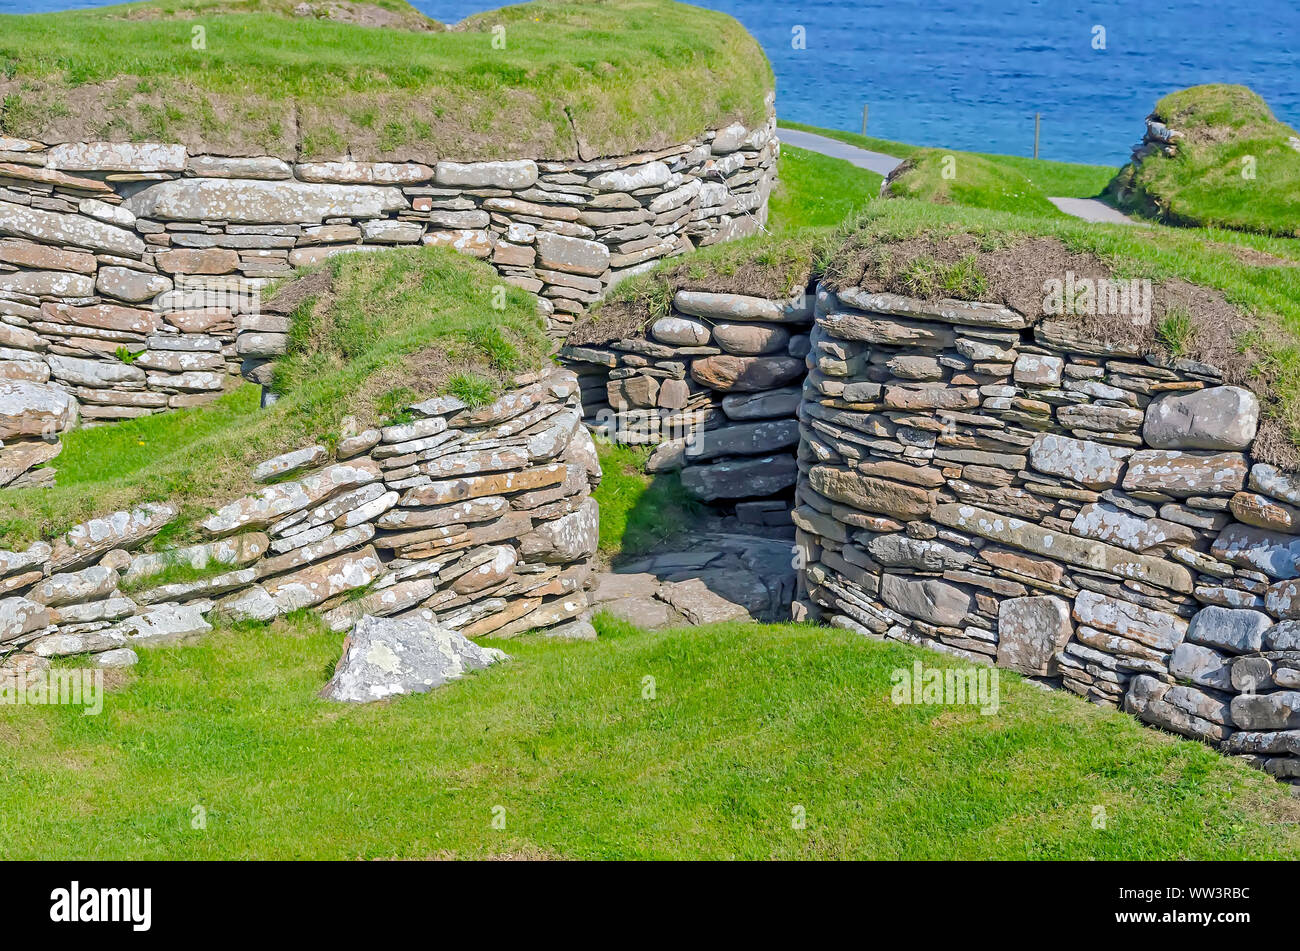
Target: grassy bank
[(1236, 165), (546, 79), (978, 179), (394, 327), (746, 723)]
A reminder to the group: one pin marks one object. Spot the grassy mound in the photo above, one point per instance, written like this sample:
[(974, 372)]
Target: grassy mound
[(572, 78), (947, 178), (996, 182), (1235, 166), (392, 328), (747, 724)]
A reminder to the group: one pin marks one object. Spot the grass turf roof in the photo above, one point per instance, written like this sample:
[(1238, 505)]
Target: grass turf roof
[(392, 328), (1236, 166), (576, 79), (1230, 299)]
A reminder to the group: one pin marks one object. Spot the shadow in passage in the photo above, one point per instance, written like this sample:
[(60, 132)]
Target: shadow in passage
[(693, 563)]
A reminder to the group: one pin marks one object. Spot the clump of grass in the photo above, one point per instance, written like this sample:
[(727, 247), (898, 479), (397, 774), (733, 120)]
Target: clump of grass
[(1176, 331), (472, 389), (928, 278), (178, 572)]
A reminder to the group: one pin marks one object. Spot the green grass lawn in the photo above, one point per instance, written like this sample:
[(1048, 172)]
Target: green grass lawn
[(979, 179), (612, 77), (402, 325), (747, 724), (815, 191), (1236, 165)]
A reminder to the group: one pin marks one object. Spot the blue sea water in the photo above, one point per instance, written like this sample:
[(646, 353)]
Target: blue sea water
[(971, 74)]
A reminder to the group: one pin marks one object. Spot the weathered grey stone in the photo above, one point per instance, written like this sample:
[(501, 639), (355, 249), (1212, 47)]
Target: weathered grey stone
[(1031, 631), (116, 157), (1201, 665), (1283, 636), (681, 331), (1220, 417), (364, 173), (743, 439), (1059, 546), (565, 539), (93, 373), (128, 284), (871, 494), (260, 509), (1237, 631), (965, 313), (1267, 711), (1093, 464), (1182, 474), (125, 530), (1270, 480), (166, 624), (650, 175), (1173, 707), (75, 587), (716, 306), (216, 166), (1273, 553), (387, 657), (34, 409), (46, 283), (572, 255), (1155, 629), (897, 550), (926, 599), (1038, 369), (19, 616), (1106, 522), (733, 374), (511, 175), (751, 339), (740, 478), (768, 404), (54, 227), (315, 583), (199, 199), (289, 463)]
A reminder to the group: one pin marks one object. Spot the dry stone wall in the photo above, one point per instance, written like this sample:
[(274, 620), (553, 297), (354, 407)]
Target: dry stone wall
[(1011, 491), (715, 386), (479, 518), (130, 274)]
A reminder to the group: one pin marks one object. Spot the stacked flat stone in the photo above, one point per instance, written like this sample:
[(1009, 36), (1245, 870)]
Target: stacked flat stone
[(1158, 139), (1008, 490), (715, 386), (130, 274), (480, 519)]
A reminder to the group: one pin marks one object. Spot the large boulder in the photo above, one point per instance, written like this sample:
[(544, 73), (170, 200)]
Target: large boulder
[(1221, 417), (388, 657)]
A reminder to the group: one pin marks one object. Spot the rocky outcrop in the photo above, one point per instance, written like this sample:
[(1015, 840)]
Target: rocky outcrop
[(1006, 490), (476, 519), (714, 386)]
